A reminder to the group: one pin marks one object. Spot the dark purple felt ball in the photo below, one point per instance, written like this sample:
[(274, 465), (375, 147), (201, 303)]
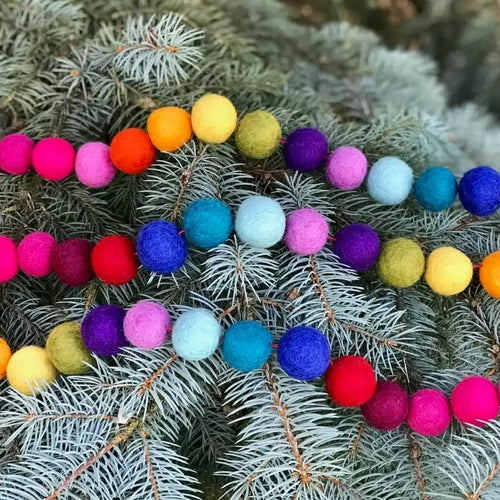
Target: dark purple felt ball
[(305, 149), (70, 261)]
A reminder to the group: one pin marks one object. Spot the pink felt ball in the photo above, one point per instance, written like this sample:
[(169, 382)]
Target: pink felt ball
[(429, 412), (93, 165), (15, 154), (346, 168), (8, 260), (53, 158), (33, 253), (306, 231), (475, 401)]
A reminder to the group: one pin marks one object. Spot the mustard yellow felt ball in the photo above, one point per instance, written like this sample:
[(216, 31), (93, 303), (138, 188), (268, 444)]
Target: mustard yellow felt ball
[(29, 369), (213, 118), (449, 271), (258, 135)]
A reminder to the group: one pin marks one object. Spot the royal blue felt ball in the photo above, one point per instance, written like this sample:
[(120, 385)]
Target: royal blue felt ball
[(390, 180), (160, 247), (207, 223), (304, 353), (305, 149), (479, 191), (436, 189)]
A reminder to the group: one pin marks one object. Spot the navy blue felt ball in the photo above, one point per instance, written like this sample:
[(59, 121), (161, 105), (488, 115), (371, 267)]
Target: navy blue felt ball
[(304, 353), (479, 191), (305, 149), (436, 189), (160, 247)]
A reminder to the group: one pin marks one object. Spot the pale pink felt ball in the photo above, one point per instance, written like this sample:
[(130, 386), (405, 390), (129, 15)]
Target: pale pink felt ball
[(93, 165), (33, 253), (8, 259), (53, 158), (306, 231), (346, 168), (15, 154), (475, 401), (429, 412)]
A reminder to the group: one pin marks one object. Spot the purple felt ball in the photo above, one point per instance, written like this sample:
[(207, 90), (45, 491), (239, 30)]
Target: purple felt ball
[(102, 330), (34, 254), (93, 165), (147, 324), (358, 246), (15, 154), (346, 168), (306, 231), (305, 149)]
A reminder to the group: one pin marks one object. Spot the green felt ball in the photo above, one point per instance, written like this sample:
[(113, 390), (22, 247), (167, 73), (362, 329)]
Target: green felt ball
[(66, 350), (258, 135)]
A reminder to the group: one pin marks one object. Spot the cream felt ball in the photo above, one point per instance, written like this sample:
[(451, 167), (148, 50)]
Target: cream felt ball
[(346, 168), (53, 158), (479, 191), (258, 135), (260, 222), (93, 165), (306, 231), (15, 154), (196, 334), (8, 260), (429, 412), (213, 118), (390, 180), (147, 324), (33, 253), (387, 408)]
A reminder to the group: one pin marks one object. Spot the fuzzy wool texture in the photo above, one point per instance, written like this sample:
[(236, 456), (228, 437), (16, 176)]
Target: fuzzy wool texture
[(70, 261), (489, 274), (53, 158), (258, 135), (304, 353), (8, 261), (346, 168), (390, 180), (196, 334), (306, 231), (132, 151), (169, 128), (436, 189), (160, 247), (207, 222), (213, 118), (247, 345), (429, 412), (5, 355), (305, 149), (34, 253), (15, 154), (387, 408), (147, 325), (93, 165), (260, 222), (479, 191)]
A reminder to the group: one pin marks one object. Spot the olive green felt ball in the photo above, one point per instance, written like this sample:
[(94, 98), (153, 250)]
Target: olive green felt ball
[(66, 349), (401, 262), (258, 135)]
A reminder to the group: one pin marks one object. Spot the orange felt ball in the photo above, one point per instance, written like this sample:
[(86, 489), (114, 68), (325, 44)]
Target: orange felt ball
[(169, 128), (489, 274), (132, 151), (5, 355)]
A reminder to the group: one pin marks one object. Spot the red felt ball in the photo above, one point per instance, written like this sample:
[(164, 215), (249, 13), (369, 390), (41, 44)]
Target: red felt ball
[(350, 381), (114, 260), (70, 261), (132, 151)]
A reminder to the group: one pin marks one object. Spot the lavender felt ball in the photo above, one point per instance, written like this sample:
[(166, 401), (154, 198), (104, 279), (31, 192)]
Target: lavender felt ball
[(34, 253), (15, 154), (346, 168), (93, 165), (388, 407), (306, 231), (305, 149), (147, 324)]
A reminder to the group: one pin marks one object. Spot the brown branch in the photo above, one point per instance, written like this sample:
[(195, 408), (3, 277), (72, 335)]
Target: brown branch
[(416, 458), (149, 463), (382, 340), (32, 416), (484, 484), (355, 445), (148, 383), (320, 291)]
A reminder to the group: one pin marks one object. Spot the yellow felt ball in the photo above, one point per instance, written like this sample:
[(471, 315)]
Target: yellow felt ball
[(29, 369), (449, 271), (213, 118)]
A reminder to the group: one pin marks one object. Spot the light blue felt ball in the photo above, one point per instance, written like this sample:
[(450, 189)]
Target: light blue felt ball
[(247, 345), (207, 223), (260, 222), (196, 334), (436, 189), (390, 180)]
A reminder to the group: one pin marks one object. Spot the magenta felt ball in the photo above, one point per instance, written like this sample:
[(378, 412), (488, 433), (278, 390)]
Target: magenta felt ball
[(429, 412), (34, 253), (71, 263), (475, 401), (346, 168), (306, 231), (93, 165), (53, 158), (15, 154), (388, 407), (8, 259), (147, 324)]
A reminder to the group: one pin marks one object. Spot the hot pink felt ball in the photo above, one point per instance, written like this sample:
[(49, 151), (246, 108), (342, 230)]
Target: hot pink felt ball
[(475, 401), (15, 154), (306, 231), (93, 165), (53, 158), (33, 253), (8, 259), (429, 412), (346, 168)]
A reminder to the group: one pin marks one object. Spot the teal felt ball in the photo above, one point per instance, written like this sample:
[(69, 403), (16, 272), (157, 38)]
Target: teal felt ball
[(436, 189), (247, 345), (207, 222), (390, 180)]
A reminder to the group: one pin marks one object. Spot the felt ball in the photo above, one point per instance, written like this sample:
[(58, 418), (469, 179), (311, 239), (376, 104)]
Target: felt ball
[(475, 401), (258, 135), (305, 149), (147, 324), (207, 222), (102, 330), (160, 247), (436, 189), (489, 274), (401, 262), (15, 154), (5, 355), (247, 345), (114, 260), (387, 408), (213, 118), (132, 151), (358, 246), (53, 158), (169, 128), (479, 191), (260, 222), (66, 349), (346, 168), (429, 412), (93, 165), (449, 271), (34, 252), (30, 370), (304, 353), (70, 261), (350, 381), (306, 231), (196, 334), (390, 180), (8, 261)]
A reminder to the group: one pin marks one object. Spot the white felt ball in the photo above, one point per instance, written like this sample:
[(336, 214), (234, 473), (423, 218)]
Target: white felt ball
[(390, 180)]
